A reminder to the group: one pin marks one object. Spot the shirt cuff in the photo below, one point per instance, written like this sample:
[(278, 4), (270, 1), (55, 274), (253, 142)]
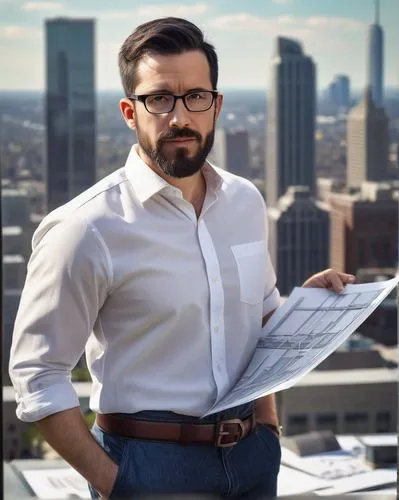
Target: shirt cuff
[(41, 404), (271, 302)]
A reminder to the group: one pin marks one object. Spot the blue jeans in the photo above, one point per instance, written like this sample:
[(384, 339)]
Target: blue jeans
[(247, 470)]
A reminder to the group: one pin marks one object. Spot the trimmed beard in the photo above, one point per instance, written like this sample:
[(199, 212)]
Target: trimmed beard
[(181, 165)]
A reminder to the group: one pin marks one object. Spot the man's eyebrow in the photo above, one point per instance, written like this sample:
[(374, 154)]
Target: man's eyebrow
[(158, 91), (199, 89), (169, 91)]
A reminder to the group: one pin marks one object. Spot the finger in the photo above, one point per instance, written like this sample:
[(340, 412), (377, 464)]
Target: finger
[(347, 278), (335, 281)]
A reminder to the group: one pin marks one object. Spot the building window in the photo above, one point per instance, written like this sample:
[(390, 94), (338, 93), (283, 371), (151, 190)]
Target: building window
[(356, 417), (297, 424), (326, 422), (383, 421), (356, 422)]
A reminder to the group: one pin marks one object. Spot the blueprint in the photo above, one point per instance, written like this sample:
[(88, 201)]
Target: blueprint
[(308, 327)]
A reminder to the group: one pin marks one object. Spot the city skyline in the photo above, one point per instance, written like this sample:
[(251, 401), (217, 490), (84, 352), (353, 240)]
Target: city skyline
[(333, 33)]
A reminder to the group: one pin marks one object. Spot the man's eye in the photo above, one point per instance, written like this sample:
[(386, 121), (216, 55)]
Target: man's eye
[(196, 97), (158, 99)]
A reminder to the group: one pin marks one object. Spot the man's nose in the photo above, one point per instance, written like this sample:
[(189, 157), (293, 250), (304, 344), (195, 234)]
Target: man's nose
[(180, 116)]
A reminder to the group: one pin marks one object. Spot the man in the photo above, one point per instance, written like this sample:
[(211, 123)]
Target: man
[(161, 272)]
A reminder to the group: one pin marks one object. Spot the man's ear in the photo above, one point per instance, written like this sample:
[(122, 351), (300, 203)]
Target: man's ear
[(218, 105), (128, 112)]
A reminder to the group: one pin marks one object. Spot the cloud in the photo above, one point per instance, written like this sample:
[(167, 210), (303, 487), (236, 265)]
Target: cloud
[(148, 12), (286, 20), (240, 22), (15, 32), (316, 34), (335, 23), (249, 22), (281, 1), (40, 6), (176, 10)]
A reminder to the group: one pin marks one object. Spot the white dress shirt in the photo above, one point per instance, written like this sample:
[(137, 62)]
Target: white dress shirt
[(168, 307)]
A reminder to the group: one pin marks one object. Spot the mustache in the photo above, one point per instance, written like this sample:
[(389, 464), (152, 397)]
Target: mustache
[(178, 133)]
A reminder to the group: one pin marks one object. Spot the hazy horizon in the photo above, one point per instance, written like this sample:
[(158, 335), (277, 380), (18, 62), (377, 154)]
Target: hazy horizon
[(388, 88), (333, 32)]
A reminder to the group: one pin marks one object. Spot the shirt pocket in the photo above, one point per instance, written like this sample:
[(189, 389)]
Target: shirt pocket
[(251, 260)]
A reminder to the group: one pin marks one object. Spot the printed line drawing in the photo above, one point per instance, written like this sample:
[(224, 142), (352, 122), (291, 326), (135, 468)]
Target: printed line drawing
[(308, 327)]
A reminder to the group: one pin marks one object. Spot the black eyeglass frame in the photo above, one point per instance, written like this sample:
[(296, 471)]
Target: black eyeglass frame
[(143, 97)]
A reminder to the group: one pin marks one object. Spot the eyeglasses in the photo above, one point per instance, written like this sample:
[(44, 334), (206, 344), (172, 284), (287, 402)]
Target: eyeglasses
[(157, 104)]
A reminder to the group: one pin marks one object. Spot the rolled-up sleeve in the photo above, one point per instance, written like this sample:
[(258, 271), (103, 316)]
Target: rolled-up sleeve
[(68, 277)]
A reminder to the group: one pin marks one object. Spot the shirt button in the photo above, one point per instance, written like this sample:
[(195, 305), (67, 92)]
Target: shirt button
[(216, 329), (214, 280)]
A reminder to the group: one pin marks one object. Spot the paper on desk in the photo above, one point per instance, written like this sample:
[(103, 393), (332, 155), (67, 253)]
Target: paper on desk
[(376, 479), (308, 327), (52, 484), (294, 482)]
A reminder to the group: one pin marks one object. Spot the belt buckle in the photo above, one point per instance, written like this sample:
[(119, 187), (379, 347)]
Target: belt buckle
[(222, 432)]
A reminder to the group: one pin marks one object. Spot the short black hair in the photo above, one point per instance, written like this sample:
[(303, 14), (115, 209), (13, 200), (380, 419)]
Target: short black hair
[(168, 35)]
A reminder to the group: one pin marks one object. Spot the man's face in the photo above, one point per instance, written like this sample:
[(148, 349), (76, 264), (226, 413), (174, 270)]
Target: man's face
[(177, 142)]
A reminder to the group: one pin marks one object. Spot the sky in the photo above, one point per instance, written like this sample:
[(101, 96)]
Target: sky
[(332, 32)]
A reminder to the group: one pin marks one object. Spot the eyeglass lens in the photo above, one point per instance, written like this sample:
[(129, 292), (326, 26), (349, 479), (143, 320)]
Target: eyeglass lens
[(164, 103)]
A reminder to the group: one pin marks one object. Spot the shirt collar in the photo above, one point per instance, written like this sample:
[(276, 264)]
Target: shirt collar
[(146, 183), (214, 180)]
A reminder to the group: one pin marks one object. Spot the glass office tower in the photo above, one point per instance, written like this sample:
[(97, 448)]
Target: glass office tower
[(290, 143), (70, 109)]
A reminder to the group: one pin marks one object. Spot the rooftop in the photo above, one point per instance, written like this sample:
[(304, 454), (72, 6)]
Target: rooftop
[(337, 473)]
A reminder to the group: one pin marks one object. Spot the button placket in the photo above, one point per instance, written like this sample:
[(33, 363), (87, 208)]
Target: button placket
[(216, 306)]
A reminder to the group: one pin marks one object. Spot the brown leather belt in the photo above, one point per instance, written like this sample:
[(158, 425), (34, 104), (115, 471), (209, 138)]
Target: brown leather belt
[(222, 434)]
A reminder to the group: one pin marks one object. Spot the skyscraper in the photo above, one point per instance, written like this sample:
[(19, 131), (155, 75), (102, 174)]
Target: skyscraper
[(367, 143), (298, 237), (343, 91), (376, 59), (290, 143), (70, 109), (339, 93), (231, 151), (364, 228)]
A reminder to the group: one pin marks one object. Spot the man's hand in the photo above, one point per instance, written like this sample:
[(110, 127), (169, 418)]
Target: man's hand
[(330, 278), (79, 448)]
